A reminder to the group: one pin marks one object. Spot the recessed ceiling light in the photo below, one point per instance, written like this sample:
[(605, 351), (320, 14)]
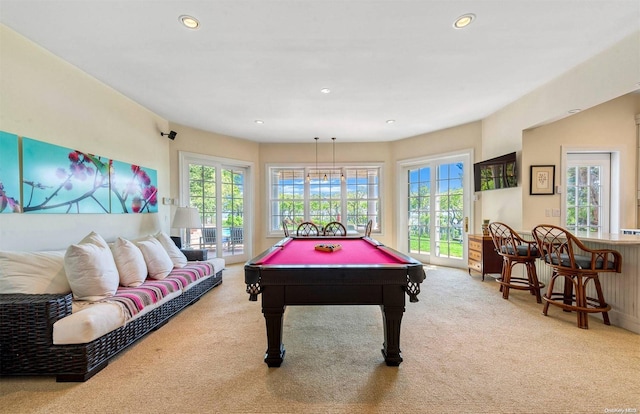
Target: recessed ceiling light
[(391, 121), (325, 90), (464, 20), (574, 111), (259, 121), (189, 22)]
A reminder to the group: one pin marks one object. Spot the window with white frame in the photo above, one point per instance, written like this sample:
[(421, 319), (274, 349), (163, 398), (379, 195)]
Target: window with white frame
[(350, 195), (587, 195)]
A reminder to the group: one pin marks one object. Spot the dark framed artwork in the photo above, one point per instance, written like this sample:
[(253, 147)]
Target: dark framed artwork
[(542, 180)]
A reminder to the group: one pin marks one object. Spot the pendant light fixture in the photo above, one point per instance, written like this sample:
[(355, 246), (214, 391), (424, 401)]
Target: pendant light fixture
[(325, 174), (334, 158), (308, 176), (325, 178)]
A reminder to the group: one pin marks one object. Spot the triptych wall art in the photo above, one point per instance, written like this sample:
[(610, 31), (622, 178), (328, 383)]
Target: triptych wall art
[(9, 174), (55, 179)]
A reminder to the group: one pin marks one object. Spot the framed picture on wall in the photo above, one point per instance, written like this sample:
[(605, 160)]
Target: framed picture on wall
[(542, 180)]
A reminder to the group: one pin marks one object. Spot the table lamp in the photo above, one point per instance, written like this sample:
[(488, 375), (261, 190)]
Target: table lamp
[(187, 218)]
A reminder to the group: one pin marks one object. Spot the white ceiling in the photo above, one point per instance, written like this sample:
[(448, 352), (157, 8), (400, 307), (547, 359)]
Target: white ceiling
[(269, 59)]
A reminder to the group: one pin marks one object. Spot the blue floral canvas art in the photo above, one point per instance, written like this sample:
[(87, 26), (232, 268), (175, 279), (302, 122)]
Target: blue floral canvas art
[(134, 189), (9, 173), (56, 179)]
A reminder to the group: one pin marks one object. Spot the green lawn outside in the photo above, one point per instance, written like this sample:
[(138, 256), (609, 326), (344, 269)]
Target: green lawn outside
[(453, 249)]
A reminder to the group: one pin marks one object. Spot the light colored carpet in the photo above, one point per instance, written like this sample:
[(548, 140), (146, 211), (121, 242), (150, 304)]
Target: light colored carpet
[(465, 350)]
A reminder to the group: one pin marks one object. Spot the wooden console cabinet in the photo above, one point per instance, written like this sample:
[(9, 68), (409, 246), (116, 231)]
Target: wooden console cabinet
[(482, 255)]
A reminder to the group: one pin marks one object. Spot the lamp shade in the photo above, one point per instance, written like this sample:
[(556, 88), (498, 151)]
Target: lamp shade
[(187, 218)]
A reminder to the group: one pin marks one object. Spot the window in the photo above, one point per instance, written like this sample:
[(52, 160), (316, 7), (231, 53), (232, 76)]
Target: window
[(363, 198), (587, 192), (350, 195), (287, 197)]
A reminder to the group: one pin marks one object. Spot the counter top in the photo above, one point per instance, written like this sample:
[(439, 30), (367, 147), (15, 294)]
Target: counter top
[(608, 238)]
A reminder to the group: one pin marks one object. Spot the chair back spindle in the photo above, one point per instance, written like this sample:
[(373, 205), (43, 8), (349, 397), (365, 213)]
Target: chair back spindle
[(307, 228)]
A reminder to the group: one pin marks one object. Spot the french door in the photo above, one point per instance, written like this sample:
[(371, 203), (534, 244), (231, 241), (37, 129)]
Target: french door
[(436, 205), (217, 189)]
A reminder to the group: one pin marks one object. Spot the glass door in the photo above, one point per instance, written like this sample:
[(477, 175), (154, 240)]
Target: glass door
[(437, 204), (217, 190), (232, 213)]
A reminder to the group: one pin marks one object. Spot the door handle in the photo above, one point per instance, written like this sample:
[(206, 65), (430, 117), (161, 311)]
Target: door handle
[(466, 224)]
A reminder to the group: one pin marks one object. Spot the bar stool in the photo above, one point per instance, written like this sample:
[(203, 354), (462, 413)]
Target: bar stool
[(514, 249), (577, 265)]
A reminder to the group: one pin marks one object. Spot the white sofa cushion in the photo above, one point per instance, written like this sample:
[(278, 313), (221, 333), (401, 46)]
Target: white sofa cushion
[(132, 268), (177, 257), (90, 268), (159, 263), (33, 272), (218, 264), (90, 321)]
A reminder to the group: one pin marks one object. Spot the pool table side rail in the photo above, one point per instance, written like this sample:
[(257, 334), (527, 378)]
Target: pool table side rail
[(409, 274)]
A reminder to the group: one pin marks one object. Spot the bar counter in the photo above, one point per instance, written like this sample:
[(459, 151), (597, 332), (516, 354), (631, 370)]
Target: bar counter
[(621, 290)]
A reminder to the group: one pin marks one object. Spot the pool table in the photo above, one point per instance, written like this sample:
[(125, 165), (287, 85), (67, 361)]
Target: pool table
[(362, 272)]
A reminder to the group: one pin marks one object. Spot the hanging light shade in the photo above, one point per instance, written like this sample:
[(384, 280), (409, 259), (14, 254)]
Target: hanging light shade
[(308, 175), (325, 174), (334, 158)]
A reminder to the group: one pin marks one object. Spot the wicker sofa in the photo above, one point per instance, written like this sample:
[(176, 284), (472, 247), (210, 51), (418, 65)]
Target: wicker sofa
[(34, 327)]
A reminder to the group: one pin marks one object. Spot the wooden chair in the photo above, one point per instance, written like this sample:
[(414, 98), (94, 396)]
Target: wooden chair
[(307, 228), (514, 249), (367, 230), (577, 265), (335, 228), (285, 228)]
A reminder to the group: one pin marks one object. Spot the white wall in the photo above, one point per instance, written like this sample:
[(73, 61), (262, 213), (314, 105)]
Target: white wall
[(613, 73), (609, 126), (45, 98)]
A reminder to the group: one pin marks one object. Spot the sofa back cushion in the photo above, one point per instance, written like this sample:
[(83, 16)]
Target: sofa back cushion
[(177, 257), (130, 262), (158, 262), (33, 272), (91, 269)]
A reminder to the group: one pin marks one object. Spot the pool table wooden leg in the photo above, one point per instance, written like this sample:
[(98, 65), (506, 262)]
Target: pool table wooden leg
[(273, 310), (392, 311)]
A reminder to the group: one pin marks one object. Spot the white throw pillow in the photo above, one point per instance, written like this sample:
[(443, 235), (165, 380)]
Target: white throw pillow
[(132, 268), (90, 268), (33, 272), (177, 257), (158, 262)]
